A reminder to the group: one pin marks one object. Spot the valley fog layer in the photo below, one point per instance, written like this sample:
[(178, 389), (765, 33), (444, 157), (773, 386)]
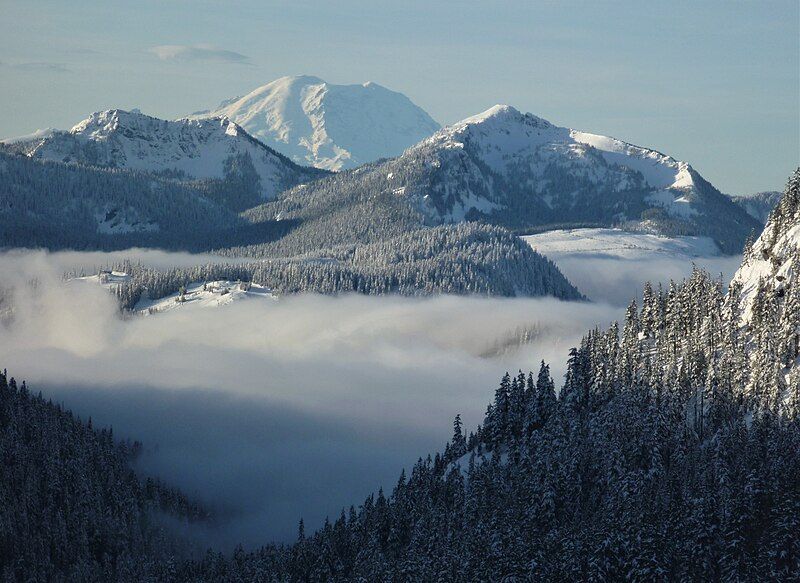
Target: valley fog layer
[(616, 281), (269, 411)]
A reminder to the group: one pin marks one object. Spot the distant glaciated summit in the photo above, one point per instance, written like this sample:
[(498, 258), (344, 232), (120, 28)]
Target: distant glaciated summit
[(335, 127)]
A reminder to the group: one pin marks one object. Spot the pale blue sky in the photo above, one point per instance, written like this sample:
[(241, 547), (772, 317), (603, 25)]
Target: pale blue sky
[(713, 83)]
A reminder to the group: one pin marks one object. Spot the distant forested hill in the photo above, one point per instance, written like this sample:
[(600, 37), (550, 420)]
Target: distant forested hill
[(304, 241)]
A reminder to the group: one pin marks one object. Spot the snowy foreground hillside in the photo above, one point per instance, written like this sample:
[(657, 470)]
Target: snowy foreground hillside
[(772, 265), (329, 126), (194, 149)]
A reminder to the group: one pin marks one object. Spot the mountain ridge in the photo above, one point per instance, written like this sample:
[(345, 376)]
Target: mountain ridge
[(214, 148), (520, 171), (758, 204), (499, 167)]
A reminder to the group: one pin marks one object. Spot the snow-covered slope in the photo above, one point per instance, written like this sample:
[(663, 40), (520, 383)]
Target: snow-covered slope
[(194, 149), (609, 265), (502, 137), (618, 244), (210, 294), (774, 259), (325, 125), (520, 170), (769, 283)]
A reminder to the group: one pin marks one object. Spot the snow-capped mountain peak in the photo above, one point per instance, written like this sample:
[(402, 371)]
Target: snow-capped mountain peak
[(505, 131), (103, 122), (325, 125), (210, 148), (522, 171), (499, 112)]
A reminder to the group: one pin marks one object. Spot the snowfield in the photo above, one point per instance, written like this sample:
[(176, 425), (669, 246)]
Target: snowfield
[(611, 265), (210, 294), (618, 244)]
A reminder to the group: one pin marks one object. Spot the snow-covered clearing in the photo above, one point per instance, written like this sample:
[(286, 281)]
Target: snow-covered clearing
[(611, 265), (618, 244), (210, 294)]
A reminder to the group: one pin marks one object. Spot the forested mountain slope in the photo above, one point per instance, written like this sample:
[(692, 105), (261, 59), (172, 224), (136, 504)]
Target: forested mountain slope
[(72, 509), (520, 171), (335, 127), (56, 205)]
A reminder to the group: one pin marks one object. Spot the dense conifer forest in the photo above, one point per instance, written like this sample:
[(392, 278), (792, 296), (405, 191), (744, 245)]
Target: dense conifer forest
[(457, 259), (73, 509)]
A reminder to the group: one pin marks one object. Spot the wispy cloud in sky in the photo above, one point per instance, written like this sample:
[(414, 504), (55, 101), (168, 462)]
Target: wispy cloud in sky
[(38, 66), (198, 53)]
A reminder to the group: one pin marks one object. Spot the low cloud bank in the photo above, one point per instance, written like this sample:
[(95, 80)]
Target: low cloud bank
[(269, 411), (617, 281), (33, 262)]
